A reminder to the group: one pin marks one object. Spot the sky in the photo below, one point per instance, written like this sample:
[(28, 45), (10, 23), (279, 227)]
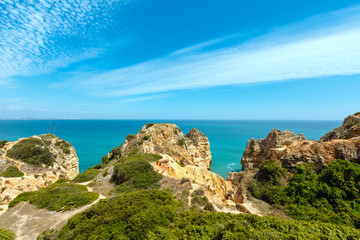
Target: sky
[(203, 59)]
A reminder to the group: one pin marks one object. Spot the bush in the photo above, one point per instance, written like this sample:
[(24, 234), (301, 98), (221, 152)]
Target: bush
[(154, 215), (149, 125), (58, 197), (65, 146), (12, 171), (146, 137), (135, 173), (86, 176), (22, 197), (48, 235), (6, 234), (32, 151), (332, 196), (127, 216), (181, 142), (3, 142)]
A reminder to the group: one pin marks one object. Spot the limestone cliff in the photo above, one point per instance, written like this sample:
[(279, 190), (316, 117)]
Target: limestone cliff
[(163, 138), (291, 149), (275, 143), (183, 156), (64, 164), (349, 129)]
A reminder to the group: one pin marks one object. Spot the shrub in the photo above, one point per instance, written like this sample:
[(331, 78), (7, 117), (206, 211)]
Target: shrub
[(12, 171), (3, 142), (181, 142), (86, 176), (32, 151), (22, 197), (135, 173), (48, 235), (149, 125), (58, 197), (155, 215), (332, 196), (6, 234), (146, 137), (65, 146), (127, 216)]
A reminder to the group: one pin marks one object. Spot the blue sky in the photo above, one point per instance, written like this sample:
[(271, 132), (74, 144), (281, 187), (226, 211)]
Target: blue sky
[(204, 59)]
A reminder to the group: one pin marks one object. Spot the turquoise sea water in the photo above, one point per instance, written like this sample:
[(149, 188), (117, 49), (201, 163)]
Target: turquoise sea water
[(94, 138)]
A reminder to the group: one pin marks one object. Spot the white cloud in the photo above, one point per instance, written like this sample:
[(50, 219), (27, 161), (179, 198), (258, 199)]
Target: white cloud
[(325, 45), (37, 38)]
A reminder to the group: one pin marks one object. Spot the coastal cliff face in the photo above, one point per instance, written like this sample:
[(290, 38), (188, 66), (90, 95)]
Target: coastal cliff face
[(183, 156), (163, 138), (274, 144), (290, 149), (39, 161), (349, 129)]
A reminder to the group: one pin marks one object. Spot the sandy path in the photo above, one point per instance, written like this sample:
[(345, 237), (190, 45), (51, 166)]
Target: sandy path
[(27, 221)]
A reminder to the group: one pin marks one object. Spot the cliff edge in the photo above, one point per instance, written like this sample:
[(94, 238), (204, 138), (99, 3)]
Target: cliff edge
[(35, 162)]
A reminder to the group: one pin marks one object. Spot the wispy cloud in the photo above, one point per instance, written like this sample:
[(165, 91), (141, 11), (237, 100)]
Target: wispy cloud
[(40, 36), (321, 46)]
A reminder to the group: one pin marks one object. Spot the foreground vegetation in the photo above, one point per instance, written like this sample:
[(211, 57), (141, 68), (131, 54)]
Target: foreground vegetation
[(12, 171), (58, 197), (6, 234), (33, 151), (331, 196), (154, 214)]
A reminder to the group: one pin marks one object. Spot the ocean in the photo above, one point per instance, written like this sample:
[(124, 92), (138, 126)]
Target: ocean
[(94, 138)]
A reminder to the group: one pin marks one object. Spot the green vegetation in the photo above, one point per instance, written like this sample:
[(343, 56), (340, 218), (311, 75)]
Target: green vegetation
[(130, 137), (332, 196), (86, 176), (136, 154), (134, 174), (3, 142), (22, 197), (357, 114), (199, 199), (12, 171), (32, 151), (146, 137), (181, 142), (6, 234), (65, 146), (149, 125), (58, 197), (154, 214)]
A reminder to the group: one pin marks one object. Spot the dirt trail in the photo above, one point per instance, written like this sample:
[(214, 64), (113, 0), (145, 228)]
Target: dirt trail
[(27, 221)]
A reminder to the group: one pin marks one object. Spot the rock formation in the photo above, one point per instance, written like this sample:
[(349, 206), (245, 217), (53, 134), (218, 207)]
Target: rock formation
[(162, 138), (349, 129), (291, 149), (65, 164), (183, 156), (274, 144)]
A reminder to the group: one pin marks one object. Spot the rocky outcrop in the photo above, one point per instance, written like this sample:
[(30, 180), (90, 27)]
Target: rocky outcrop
[(291, 149), (349, 129), (65, 165), (274, 144), (215, 187), (163, 138), (183, 156)]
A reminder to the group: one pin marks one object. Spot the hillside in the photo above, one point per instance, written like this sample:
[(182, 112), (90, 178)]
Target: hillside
[(157, 185)]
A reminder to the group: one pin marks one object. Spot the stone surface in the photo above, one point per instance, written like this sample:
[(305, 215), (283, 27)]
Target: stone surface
[(165, 138), (64, 166), (214, 186), (349, 129), (274, 144), (291, 149)]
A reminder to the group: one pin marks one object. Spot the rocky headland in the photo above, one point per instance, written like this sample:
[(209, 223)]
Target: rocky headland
[(29, 164)]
